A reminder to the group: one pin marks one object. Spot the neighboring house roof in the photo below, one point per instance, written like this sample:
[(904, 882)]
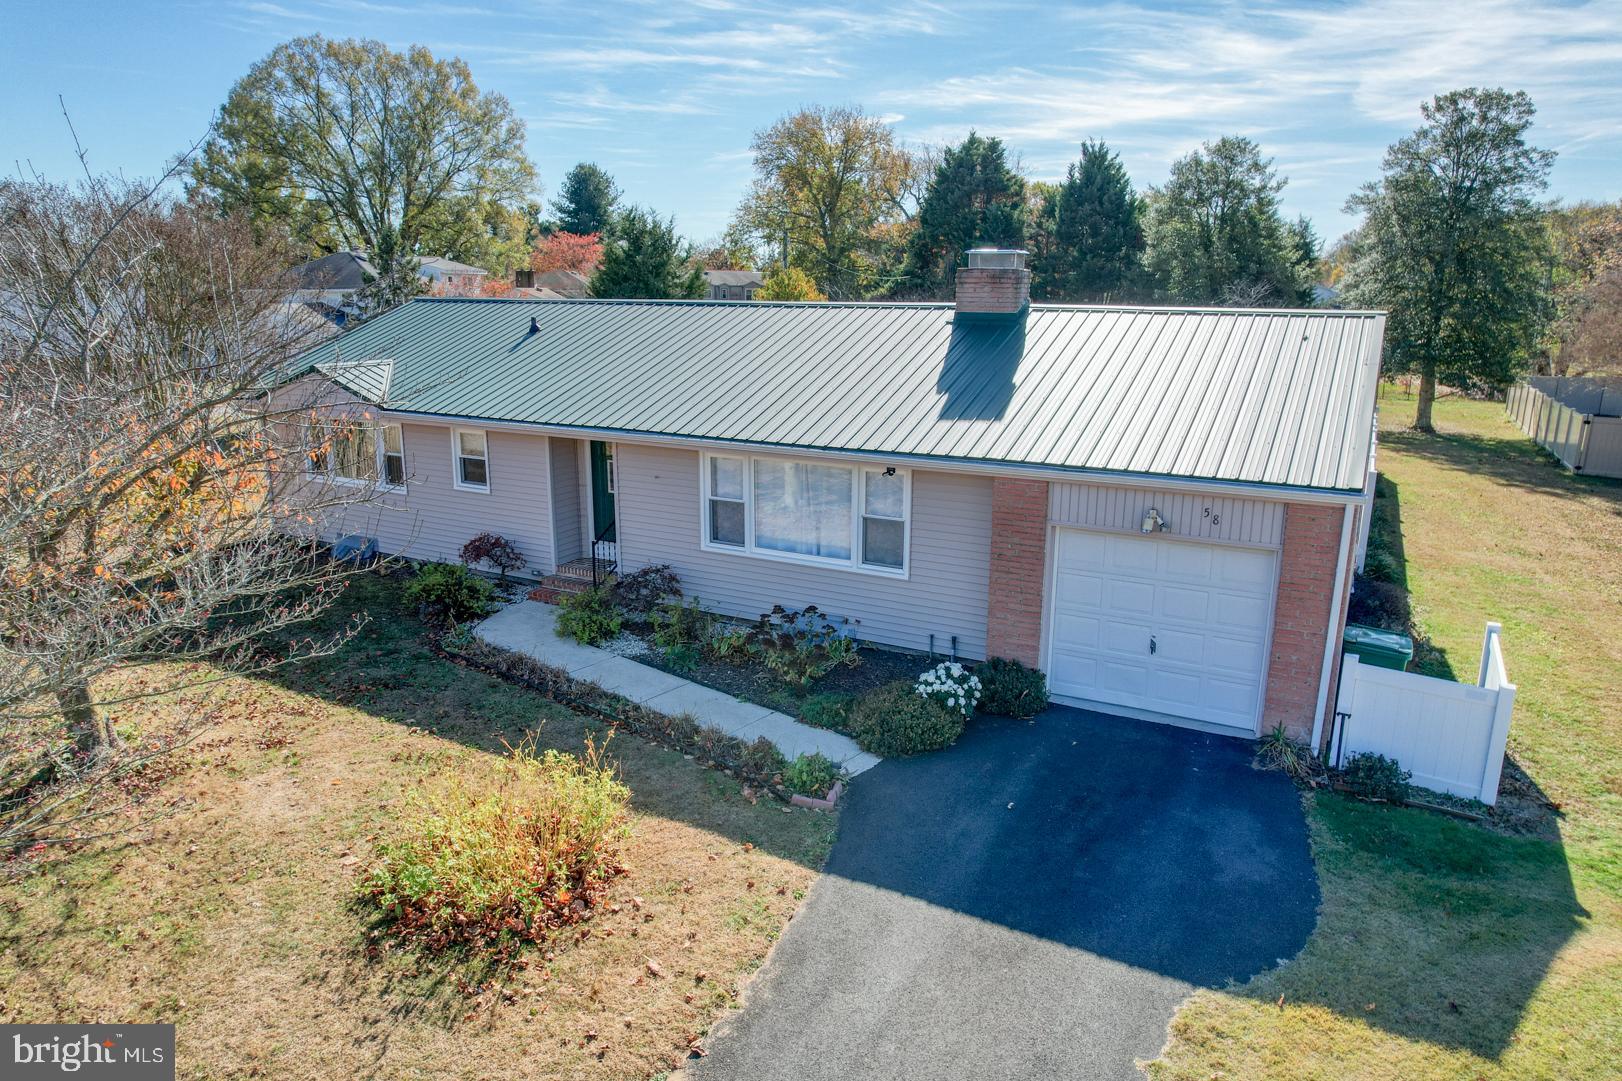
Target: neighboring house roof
[(569, 283), (733, 277), (449, 266), (347, 271), (343, 271), (1325, 296), (1273, 397)]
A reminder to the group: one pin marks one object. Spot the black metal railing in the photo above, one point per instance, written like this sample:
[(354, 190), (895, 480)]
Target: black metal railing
[(601, 568)]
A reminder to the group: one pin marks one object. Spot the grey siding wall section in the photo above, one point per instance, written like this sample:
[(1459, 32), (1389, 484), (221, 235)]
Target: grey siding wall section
[(433, 519), (1203, 517), (945, 594), (566, 516)]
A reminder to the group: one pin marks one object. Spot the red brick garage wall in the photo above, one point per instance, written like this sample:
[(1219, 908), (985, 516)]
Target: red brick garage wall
[(1019, 533), (1301, 615)]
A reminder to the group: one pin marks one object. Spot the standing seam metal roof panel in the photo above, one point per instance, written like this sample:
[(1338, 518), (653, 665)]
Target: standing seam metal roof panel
[(1257, 396)]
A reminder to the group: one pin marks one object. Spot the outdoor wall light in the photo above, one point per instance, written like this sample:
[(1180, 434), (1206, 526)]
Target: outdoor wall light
[(889, 471), (1153, 522)]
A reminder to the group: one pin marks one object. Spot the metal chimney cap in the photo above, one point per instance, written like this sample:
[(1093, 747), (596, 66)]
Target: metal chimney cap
[(998, 258)]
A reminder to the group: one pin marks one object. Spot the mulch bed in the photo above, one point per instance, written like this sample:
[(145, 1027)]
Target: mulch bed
[(752, 681)]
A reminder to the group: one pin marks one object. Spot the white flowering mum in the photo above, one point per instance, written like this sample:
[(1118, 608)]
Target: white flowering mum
[(952, 685)]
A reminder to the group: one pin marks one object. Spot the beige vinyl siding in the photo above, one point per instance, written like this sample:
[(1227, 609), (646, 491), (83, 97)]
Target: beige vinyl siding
[(949, 568), (566, 517), (432, 519), (1228, 519)]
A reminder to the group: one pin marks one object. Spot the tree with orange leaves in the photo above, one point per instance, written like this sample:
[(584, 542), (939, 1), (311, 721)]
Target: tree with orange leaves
[(156, 502)]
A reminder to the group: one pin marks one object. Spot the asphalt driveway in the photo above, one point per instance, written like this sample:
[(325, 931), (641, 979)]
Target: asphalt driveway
[(1033, 903)]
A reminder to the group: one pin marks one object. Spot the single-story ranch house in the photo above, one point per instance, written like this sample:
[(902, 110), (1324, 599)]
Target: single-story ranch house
[(1160, 507)]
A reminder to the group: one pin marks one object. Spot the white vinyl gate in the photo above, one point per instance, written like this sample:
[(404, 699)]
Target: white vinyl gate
[(1449, 735)]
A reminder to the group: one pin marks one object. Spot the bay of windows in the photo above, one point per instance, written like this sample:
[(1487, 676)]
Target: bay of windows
[(358, 452), (814, 512)]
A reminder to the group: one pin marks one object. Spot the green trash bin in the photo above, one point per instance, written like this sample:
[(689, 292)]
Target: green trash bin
[(1378, 646)]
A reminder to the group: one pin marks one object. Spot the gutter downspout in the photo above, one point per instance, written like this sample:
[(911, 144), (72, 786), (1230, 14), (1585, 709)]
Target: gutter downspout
[(1331, 639)]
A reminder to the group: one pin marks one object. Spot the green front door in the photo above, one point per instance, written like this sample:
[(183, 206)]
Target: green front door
[(602, 491)]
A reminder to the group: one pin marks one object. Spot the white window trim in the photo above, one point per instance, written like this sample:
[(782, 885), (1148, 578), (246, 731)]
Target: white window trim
[(330, 475), (456, 461), (858, 502)]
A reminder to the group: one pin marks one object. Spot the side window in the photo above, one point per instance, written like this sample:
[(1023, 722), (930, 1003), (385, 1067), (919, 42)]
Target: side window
[(472, 460), (393, 456), (726, 501)]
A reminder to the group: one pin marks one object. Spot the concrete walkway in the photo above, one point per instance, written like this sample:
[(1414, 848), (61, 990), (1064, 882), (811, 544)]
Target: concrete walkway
[(530, 627)]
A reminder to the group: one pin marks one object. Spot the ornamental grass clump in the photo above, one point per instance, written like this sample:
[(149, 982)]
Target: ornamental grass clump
[(952, 685), (492, 866)]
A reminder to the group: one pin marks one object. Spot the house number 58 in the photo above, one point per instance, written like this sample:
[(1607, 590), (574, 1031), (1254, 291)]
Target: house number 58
[(1216, 519)]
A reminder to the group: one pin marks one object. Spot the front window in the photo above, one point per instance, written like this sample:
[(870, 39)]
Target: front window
[(806, 511), (472, 460)]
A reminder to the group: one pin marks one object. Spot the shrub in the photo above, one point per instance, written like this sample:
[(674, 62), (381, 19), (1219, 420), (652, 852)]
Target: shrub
[(640, 592), (811, 775), (801, 647), (762, 759), (730, 645), (681, 657), (494, 550), (495, 866), (1376, 777), (896, 720), (588, 617), (830, 711), (1381, 566), (1282, 751), (678, 624), (1379, 604), (448, 593), (952, 685), (1009, 689)]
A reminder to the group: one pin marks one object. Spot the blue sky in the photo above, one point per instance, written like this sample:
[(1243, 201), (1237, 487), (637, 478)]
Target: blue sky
[(665, 95)]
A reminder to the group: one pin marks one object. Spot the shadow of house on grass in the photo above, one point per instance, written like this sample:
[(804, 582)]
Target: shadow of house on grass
[(1165, 849), (389, 671)]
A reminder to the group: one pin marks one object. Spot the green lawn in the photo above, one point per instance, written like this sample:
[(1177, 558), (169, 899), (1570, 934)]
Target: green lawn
[(1445, 949)]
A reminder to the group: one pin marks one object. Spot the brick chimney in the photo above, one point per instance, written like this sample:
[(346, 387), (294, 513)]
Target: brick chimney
[(995, 283)]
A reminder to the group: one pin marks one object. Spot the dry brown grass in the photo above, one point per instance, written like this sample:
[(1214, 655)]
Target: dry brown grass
[(234, 917)]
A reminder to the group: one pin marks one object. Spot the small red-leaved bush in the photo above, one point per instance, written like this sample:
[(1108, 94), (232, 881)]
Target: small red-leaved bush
[(494, 865)]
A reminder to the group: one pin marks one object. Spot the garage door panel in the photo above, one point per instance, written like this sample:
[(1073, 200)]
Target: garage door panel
[(1076, 632), (1178, 691), (1126, 595), (1083, 550), (1186, 561), (1207, 607), (1174, 602), (1243, 567), (1233, 611), (1124, 636), (1132, 555), (1179, 647), (1117, 677), (1232, 654), (1237, 699), (1073, 588)]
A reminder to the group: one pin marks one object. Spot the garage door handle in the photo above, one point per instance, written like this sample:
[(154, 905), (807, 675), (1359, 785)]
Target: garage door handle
[(1151, 643)]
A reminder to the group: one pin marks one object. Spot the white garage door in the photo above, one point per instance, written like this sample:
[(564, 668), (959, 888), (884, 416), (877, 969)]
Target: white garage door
[(1171, 626)]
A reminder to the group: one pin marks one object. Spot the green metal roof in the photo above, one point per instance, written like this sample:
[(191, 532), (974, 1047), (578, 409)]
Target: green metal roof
[(1272, 397)]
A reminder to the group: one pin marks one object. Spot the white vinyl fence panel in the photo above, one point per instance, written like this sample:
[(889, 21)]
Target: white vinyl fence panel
[(1572, 419), (1449, 735)]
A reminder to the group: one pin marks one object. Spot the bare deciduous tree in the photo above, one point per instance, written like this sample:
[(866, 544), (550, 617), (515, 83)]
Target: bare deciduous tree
[(156, 502)]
